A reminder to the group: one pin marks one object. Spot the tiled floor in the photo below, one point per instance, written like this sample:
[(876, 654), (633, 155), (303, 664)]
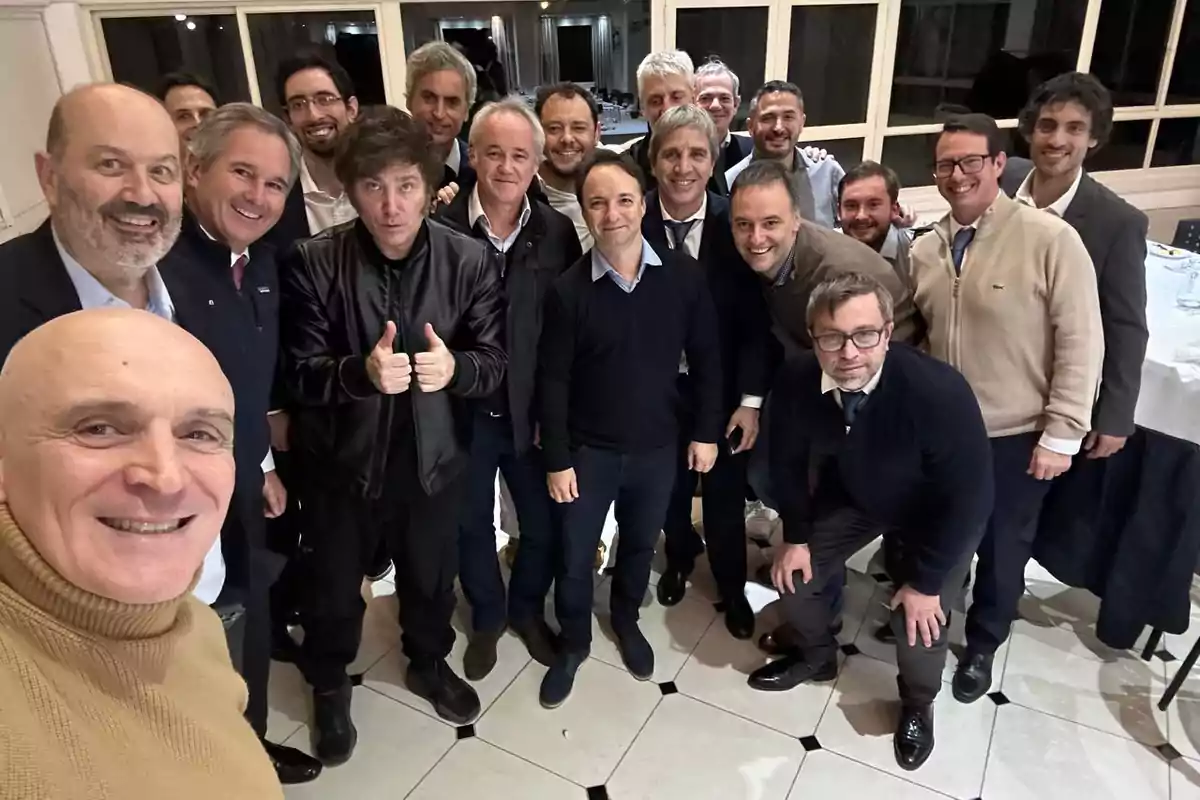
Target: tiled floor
[(1067, 718)]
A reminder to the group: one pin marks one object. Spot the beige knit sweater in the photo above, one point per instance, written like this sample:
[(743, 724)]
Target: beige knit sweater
[(105, 701)]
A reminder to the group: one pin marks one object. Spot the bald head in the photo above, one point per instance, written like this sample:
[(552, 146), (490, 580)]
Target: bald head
[(116, 451), (112, 177)]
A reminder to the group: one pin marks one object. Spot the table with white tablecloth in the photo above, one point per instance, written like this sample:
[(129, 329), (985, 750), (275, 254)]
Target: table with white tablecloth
[(1127, 528)]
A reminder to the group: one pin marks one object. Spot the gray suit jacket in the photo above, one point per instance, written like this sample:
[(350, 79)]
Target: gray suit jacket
[(1114, 234)]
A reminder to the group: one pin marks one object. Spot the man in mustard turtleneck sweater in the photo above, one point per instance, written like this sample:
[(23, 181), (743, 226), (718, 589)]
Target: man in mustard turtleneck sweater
[(116, 469)]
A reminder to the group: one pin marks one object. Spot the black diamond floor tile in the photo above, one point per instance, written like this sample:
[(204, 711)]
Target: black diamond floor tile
[(719, 606), (810, 743), (668, 687), (356, 680), (465, 731), (1165, 655), (850, 650), (597, 793), (999, 698), (880, 577), (1168, 752)]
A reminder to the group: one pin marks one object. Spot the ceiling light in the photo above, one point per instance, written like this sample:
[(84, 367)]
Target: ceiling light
[(180, 17), (191, 26)]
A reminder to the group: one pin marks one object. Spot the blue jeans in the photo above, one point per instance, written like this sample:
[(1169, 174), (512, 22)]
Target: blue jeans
[(492, 449), (640, 484)]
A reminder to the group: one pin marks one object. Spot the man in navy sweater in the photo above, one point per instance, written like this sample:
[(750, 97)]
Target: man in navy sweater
[(616, 324), (867, 440)]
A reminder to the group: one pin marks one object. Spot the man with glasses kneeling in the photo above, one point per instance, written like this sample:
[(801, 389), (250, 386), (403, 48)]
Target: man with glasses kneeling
[(869, 438)]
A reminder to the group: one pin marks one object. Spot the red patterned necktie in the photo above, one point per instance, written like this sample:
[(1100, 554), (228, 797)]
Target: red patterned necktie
[(239, 270)]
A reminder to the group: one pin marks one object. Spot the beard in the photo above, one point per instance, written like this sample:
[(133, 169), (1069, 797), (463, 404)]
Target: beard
[(117, 253)]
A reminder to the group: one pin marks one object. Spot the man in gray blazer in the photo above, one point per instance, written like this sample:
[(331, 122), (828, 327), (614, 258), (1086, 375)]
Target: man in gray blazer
[(1066, 119)]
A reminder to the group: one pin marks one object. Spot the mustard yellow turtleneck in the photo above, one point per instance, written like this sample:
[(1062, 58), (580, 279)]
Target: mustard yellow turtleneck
[(101, 700)]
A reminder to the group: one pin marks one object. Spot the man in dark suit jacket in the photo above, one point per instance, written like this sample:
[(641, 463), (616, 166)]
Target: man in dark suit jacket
[(1066, 119), (59, 268), (870, 439), (537, 244), (682, 216)]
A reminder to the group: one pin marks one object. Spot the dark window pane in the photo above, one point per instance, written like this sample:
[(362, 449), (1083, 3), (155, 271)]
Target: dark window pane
[(1178, 143), (1126, 147), (349, 37), (737, 35), (1130, 40), (1185, 75), (848, 152), (828, 41), (984, 56), (143, 49), (911, 157), (575, 53)]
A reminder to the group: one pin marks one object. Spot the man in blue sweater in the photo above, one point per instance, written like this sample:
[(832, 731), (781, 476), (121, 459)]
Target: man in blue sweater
[(870, 439), (615, 326)]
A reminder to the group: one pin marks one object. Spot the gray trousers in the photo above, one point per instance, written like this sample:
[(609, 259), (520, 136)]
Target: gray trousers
[(835, 538)]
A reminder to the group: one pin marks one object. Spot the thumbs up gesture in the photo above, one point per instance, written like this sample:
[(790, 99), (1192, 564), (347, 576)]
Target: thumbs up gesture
[(435, 367), (391, 372)]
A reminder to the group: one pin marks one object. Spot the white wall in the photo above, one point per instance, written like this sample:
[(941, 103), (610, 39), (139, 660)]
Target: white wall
[(29, 87)]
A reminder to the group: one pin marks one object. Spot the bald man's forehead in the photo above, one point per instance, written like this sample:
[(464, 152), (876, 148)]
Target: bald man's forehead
[(130, 121)]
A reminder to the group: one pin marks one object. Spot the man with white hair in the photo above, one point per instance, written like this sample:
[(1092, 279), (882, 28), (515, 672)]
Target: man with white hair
[(717, 88), (440, 89), (537, 244), (665, 79)]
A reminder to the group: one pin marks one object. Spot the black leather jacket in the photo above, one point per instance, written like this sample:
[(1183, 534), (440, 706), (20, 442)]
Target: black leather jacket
[(338, 292)]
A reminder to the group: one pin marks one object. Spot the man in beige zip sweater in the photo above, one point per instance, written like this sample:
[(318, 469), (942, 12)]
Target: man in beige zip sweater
[(1009, 296)]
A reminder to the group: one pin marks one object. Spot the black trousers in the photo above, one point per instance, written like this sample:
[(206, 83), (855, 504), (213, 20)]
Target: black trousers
[(283, 538), (1007, 544), (724, 503), (835, 538), (640, 486), (343, 530)]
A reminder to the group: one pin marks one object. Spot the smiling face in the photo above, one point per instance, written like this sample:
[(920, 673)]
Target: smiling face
[(852, 367), (613, 208), (1061, 139), (317, 111), (188, 107), (116, 451), (969, 192), (392, 205), (439, 101), (660, 92), (240, 196), (571, 133), (866, 210), (115, 188), (714, 93), (683, 167), (765, 225), (504, 156), (776, 124)]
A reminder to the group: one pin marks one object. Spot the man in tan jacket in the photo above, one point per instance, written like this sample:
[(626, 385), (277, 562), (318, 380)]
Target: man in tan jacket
[(1009, 295)]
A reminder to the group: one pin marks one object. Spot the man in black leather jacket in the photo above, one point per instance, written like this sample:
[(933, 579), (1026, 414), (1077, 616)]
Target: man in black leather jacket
[(389, 324)]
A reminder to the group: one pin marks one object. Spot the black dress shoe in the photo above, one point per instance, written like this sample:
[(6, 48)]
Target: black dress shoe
[(973, 677), (292, 765), (913, 743), (334, 733), (739, 617), (885, 634), (789, 672), (672, 586), (539, 640), (452, 698), (560, 679), (480, 657), (636, 652)]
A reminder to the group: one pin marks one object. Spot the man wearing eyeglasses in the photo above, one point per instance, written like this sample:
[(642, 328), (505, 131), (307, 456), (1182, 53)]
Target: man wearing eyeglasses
[(871, 438), (1009, 294)]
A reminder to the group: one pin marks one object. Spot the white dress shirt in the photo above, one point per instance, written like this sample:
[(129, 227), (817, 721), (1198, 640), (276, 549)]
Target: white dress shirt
[(1059, 207), (567, 204), (323, 209), (828, 384), (477, 216)]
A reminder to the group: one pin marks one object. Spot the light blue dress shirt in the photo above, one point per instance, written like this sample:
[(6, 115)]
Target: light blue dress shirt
[(601, 267)]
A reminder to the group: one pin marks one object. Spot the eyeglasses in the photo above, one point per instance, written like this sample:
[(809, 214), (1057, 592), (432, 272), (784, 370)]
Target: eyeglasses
[(834, 342), (323, 101), (968, 164)]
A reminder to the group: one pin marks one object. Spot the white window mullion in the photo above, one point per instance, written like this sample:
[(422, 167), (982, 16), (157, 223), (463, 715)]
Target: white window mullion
[(1164, 78), (779, 38), (1087, 41), (248, 56)]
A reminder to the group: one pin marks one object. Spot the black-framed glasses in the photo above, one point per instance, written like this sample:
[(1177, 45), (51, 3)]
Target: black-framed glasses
[(834, 342), (968, 164), (322, 100)]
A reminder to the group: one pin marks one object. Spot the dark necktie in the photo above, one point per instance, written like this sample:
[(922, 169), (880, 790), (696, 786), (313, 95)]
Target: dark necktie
[(239, 270), (851, 401), (677, 232), (958, 248)]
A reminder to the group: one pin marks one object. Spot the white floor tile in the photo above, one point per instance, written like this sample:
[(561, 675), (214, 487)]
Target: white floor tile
[(862, 717), (583, 739), (1048, 670), (396, 748), (690, 750), (827, 774), (475, 769), (381, 626), (1185, 779), (1038, 757), (716, 673), (387, 676), (288, 703), (673, 632)]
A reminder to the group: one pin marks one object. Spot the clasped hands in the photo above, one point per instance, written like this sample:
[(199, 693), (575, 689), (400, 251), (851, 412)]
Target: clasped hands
[(392, 372)]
